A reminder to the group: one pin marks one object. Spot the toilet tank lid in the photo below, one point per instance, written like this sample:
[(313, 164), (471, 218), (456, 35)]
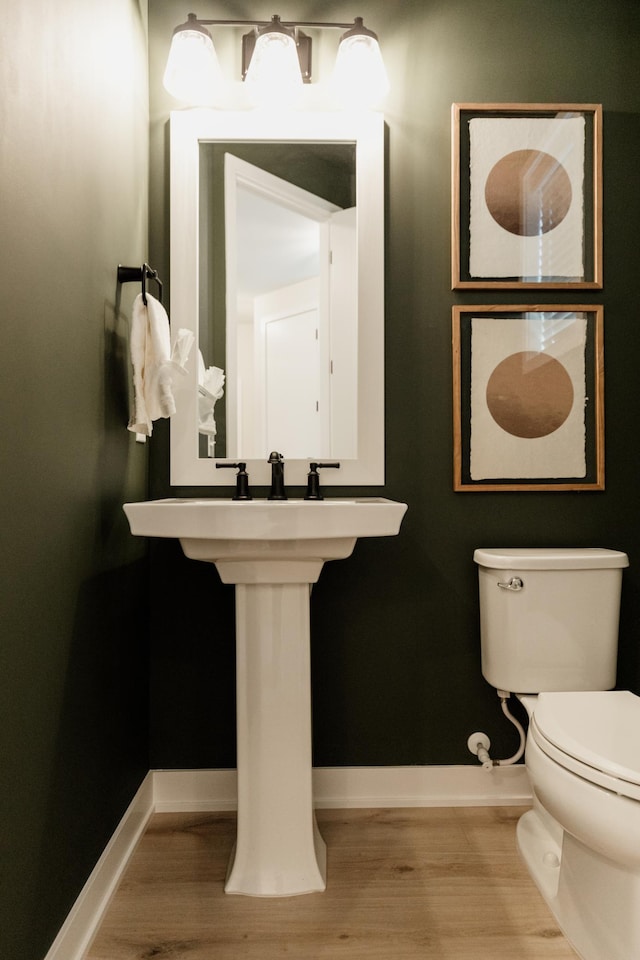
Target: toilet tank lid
[(549, 558)]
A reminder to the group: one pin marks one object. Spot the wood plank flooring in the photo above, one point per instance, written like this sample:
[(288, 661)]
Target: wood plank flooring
[(403, 884)]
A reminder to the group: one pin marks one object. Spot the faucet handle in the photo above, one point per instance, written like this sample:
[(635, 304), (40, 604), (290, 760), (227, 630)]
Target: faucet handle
[(313, 480), (242, 480)]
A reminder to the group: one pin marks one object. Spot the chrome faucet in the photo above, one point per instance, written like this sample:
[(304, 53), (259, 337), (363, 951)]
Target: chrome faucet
[(277, 477)]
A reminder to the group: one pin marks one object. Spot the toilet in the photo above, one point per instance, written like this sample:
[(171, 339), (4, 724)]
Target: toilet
[(549, 634)]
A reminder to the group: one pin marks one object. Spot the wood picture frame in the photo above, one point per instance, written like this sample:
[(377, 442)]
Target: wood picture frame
[(528, 398), (526, 196)]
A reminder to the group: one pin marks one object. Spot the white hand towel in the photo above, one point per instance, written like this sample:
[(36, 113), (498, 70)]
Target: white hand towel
[(153, 365), (210, 389)]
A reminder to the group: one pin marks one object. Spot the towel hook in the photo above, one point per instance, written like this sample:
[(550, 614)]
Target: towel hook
[(141, 274)]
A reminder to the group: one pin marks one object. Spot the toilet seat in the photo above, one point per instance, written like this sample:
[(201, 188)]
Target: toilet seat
[(594, 735)]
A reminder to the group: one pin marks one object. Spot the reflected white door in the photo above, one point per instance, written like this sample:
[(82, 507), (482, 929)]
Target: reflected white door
[(292, 387), (277, 240)]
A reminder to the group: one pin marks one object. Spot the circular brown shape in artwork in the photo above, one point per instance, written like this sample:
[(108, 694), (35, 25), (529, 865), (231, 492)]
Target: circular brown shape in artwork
[(529, 394), (528, 192)]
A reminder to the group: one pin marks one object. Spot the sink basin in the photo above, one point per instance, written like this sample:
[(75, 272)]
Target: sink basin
[(271, 551), (266, 530), (265, 519)]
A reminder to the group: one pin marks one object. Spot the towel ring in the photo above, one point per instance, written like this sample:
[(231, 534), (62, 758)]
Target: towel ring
[(141, 274)]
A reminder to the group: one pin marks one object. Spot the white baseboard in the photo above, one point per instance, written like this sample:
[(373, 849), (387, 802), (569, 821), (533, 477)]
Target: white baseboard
[(173, 791), (457, 786), (82, 922)]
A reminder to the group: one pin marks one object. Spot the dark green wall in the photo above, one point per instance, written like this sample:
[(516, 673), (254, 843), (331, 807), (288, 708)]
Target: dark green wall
[(73, 700), (396, 658)]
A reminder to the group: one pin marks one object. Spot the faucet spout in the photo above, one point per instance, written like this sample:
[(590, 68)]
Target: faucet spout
[(277, 491)]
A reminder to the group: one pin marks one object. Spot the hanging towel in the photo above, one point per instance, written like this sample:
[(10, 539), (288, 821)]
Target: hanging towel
[(210, 389), (154, 363)]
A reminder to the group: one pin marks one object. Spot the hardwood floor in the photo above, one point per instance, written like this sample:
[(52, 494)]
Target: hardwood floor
[(428, 883)]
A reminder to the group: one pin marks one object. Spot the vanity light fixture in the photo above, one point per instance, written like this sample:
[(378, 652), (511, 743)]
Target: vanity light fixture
[(274, 72), (276, 61), (359, 74)]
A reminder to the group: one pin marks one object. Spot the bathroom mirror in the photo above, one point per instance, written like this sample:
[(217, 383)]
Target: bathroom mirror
[(277, 267)]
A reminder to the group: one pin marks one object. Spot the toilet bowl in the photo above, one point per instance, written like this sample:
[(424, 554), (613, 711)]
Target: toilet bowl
[(581, 840)]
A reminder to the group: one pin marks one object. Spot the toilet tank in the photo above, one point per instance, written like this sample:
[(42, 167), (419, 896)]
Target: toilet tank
[(549, 617)]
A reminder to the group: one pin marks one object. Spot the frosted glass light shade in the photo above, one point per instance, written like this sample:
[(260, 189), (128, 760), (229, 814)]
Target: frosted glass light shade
[(192, 73), (359, 77), (274, 78)]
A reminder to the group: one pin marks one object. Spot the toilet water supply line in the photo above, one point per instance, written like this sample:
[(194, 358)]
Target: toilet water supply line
[(479, 743)]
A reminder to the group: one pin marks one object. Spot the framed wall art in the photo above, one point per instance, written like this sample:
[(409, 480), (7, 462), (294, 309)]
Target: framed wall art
[(528, 398), (526, 196)]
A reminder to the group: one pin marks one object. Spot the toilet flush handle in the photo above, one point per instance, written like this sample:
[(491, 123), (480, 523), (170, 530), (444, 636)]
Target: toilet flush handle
[(515, 583)]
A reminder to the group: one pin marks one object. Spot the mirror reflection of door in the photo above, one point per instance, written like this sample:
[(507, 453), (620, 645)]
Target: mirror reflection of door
[(295, 416), (291, 329)]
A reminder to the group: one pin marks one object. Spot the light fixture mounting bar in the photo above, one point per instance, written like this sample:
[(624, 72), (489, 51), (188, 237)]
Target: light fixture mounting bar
[(265, 23)]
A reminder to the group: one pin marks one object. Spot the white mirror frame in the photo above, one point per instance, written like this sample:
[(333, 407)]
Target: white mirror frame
[(190, 128)]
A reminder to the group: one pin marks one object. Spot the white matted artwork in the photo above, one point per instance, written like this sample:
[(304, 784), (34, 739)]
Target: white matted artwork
[(528, 398), (526, 195), (527, 198)]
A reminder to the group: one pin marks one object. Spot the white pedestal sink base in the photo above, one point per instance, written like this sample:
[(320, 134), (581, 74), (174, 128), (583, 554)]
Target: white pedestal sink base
[(279, 851), (272, 552), (243, 889)]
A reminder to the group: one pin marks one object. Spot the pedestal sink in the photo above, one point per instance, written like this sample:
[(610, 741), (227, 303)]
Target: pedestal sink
[(272, 551)]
